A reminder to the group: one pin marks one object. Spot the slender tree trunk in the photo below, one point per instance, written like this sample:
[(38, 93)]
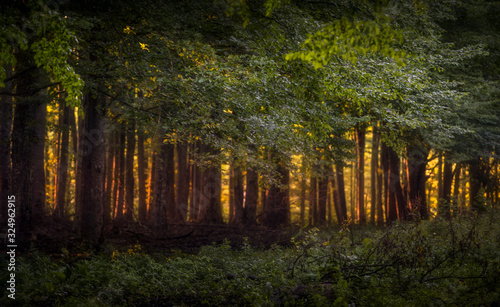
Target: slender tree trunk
[(183, 180), (475, 175), (440, 178), (129, 173), (322, 199), (456, 188), (238, 193), (395, 185), (168, 171), (142, 170), (389, 186), (93, 166), (447, 182), (252, 197), (152, 181), (5, 140), (197, 191), (28, 179), (116, 172), (106, 212), (303, 187), (231, 194), (373, 175), (417, 162), (313, 199), (62, 166), (336, 200), (121, 177), (360, 175), (341, 192), (278, 204), (211, 193)]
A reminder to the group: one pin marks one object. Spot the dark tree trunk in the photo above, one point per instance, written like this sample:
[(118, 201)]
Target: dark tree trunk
[(373, 176), (211, 193), (231, 195), (476, 175), (322, 199), (336, 200), (152, 181), (278, 203), (116, 172), (168, 171), (163, 205), (183, 180), (303, 188), (121, 177), (141, 172), (313, 200), (445, 201), (129, 173), (106, 211), (62, 166), (440, 178), (395, 185), (5, 139), (417, 162), (341, 192), (456, 188), (93, 166), (389, 186), (197, 191), (238, 193), (360, 175), (252, 197), (28, 135)]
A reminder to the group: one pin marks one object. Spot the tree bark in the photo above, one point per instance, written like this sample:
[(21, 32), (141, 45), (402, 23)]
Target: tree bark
[(238, 193), (183, 180), (373, 175), (211, 193), (341, 192), (360, 175), (5, 147), (445, 201), (322, 199), (93, 165), (278, 203), (121, 177), (389, 186), (416, 166), (395, 185), (62, 166), (129, 173), (313, 199), (142, 170), (106, 211), (252, 197)]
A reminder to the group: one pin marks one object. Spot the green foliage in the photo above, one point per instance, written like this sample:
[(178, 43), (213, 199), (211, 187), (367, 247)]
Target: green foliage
[(432, 263)]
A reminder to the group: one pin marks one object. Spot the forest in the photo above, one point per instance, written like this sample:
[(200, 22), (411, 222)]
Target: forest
[(250, 153)]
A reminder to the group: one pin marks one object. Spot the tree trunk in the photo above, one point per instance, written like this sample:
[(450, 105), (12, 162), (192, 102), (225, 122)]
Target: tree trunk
[(93, 166), (129, 173), (238, 193), (475, 178), (142, 170), (183, 180), (445, 201), (360, 175), (106, 211), (121, 177), (278, 203), (341, 192), (28, 179), (322, 199), (456, 189), (303, 188), (116, 172), (416, 166), (313, 199), (336, 200), (62, 166), (5, 140), (395, 185), (440, 178), (373, 175), (211, 193), (389, 186), (251, 197), (167, 170)]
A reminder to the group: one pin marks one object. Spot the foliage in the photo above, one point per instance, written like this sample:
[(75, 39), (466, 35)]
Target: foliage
[(431, 263)]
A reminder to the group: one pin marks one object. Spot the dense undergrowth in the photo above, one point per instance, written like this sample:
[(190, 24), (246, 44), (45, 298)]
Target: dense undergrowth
[(431, 263)]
